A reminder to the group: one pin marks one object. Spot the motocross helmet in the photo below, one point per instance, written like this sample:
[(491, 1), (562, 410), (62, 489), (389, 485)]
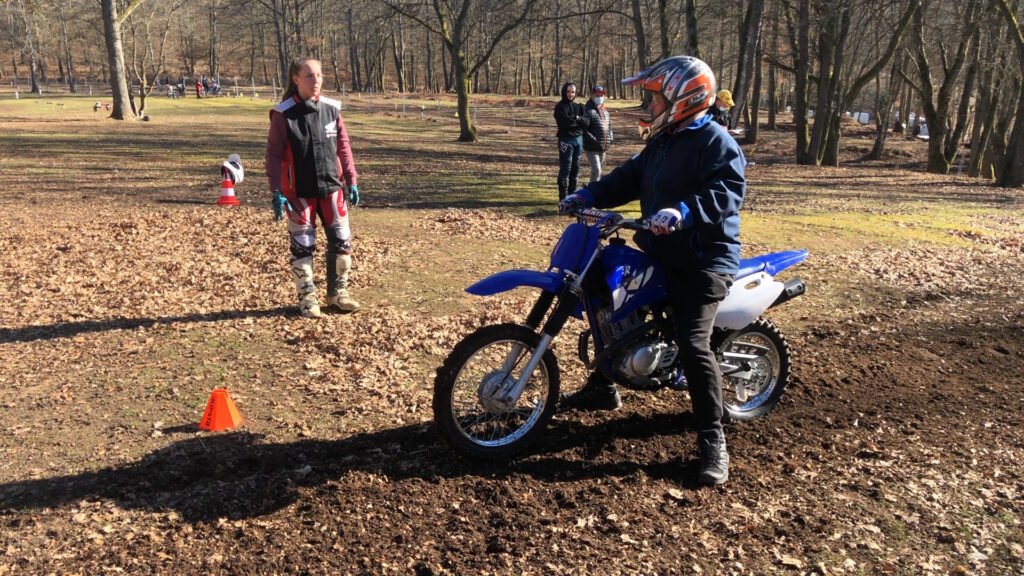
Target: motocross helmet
[(686, 83), (232, 168)]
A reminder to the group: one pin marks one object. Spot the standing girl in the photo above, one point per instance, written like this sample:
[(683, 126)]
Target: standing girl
[(309, 162)]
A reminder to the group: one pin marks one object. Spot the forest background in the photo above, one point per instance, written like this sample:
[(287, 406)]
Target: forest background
[(953, 69)]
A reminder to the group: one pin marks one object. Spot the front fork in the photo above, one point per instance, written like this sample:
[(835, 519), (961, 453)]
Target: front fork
[(511, 390)]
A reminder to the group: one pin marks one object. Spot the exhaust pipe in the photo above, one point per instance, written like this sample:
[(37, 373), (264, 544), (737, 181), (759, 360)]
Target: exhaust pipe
[(792, 288)]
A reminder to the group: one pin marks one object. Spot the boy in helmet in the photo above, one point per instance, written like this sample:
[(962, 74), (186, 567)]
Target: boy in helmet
[(690, 182)]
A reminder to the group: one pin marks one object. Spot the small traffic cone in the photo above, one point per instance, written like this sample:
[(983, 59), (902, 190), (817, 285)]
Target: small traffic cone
[(227, 193), (221, 412)]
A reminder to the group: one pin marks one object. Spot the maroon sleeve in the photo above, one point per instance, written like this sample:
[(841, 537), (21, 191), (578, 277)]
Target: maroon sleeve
[(277, 140), (346, 164)]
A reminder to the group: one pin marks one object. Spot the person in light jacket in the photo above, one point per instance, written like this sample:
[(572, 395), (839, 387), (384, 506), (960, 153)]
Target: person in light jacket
[(598, 137)]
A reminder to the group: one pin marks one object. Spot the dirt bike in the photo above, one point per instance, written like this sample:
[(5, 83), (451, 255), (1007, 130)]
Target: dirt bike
[(498, 389)]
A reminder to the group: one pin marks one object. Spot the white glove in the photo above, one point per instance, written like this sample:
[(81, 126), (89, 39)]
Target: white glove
[(664, 221)]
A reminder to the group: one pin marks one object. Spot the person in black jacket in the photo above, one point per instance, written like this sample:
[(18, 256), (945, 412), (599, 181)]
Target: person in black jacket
[(598, 137), (572, 120), (690, 182)]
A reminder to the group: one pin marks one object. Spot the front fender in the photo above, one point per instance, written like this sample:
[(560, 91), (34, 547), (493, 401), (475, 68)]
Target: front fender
[(509, 279)]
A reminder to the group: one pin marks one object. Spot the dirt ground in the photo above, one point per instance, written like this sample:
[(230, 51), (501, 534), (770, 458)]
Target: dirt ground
[(127, 296)]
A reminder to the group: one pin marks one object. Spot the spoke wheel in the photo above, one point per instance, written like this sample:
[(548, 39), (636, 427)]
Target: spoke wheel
[(472, 407), (763, 354)]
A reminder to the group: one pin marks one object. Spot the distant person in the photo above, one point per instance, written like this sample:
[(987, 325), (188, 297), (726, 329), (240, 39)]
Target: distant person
[(572, 120), (721, 111), (199, 89), (598, 136), (309, 161)]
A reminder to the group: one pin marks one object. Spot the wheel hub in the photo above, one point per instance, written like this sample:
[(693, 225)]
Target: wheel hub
[(491, 392)]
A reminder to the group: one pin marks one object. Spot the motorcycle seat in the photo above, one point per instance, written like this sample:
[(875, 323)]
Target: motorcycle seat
[(749, 266)]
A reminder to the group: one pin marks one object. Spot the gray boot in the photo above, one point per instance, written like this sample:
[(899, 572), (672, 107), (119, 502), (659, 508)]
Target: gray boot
[(714, 460), (338, 298), (302, 273)]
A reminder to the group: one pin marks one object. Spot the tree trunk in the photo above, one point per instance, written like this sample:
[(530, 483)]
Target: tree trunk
[(353, 55), (884, 114), (803, 144), (642, 50), (431, 85), (750, 38), (773, 99), (1012, 173), (334, 60), (68, 61), (467, 131), (214, 63), (936, 111), (398, 53), (120, 110), (692, 46), (755, 100)]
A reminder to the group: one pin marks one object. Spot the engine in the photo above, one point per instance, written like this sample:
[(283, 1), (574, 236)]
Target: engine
[(645, 362)]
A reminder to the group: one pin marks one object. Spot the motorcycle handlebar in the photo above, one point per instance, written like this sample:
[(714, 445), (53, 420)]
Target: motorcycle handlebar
[(611, 221)]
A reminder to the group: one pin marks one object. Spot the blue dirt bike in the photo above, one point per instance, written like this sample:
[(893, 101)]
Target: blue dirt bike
[(498, 389)]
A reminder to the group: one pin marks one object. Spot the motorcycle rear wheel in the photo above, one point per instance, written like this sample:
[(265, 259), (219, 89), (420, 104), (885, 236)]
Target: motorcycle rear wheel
[(753, 393), (467, 411)]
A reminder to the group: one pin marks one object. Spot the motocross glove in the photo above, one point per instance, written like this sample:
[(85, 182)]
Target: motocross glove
[(664, 221), (278, 202), (353, 195), (576, 201)]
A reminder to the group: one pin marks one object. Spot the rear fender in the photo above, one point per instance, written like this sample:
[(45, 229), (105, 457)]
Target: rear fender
[(747, 299)]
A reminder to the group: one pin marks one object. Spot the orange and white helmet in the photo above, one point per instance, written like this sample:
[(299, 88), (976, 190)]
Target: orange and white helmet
[(686, 83)]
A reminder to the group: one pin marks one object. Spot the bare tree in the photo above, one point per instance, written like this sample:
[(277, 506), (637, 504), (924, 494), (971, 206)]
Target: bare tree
[(454, 22), (112, 20), (1012, 174), (936, 103)]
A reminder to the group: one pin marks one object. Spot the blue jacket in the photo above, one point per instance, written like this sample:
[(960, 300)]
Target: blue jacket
[(698, 171)]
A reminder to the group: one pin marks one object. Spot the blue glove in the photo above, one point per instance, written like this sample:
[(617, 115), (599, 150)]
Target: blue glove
[(576, 201), (278, 203), (353, 195)]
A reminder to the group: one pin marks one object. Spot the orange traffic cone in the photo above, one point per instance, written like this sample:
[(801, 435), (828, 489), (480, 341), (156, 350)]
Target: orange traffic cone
[(227, 193), (221, 413)]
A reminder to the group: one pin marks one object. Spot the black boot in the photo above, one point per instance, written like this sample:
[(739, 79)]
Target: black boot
[(572, 185), (598, 393), (714, 459), (563, 185)]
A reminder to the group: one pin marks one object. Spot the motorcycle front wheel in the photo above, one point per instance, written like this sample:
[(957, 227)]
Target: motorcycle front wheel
[(762, 356), (471, 409)]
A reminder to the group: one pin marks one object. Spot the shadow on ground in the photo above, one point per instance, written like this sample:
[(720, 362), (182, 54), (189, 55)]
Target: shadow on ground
[(236, 475), (71, 329)]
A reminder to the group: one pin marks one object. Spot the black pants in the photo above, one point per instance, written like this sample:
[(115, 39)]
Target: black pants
[(695, 295)]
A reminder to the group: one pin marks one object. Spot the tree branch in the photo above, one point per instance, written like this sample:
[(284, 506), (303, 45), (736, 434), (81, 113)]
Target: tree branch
[(1015, 29), (128, 10)]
